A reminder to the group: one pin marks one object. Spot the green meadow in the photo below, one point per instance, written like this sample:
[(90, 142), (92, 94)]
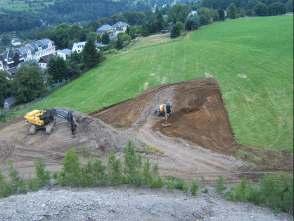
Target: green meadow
[(251, 58)]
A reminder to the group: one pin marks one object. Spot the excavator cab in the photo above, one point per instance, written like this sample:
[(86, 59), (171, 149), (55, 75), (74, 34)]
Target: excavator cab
[(164, 110)]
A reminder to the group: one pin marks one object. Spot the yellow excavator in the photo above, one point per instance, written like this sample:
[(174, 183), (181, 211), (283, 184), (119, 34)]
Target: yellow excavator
[(45, 119), (164, 110)]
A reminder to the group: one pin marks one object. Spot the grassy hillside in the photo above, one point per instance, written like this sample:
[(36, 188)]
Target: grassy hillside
[(250, 57)]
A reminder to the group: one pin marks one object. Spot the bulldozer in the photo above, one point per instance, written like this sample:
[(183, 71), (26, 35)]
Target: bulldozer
[(46, 119)]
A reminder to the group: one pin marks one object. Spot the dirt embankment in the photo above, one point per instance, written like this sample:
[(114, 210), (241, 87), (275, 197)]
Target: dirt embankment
[(199, 114), (199, 139), (93, 138)]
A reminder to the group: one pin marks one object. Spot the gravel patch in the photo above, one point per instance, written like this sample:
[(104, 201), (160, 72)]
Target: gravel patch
[(128, 204)]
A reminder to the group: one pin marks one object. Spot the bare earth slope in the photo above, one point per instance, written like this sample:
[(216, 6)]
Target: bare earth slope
[(199, 113), (198, 143), (93, 137)]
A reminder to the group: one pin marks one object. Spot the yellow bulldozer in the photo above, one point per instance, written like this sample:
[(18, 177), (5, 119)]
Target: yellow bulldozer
[(46, 119)]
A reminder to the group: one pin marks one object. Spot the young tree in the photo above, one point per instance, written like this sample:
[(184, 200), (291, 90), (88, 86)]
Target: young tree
[(276, 8), (92, 36), (221, 14), (131, 32), (5, 87), (119, 44), (176, 30), (105, 39), (178, 13), (57, 69), (261, 9), (75, 65), (5, 40), (232, 11), (206, 16), (192, 23), (90, 55), (289, 6), (28, 83), (70, 174)]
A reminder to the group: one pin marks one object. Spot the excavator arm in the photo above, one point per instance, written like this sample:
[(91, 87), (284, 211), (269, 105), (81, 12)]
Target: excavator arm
[(46, 118), (66, 115)]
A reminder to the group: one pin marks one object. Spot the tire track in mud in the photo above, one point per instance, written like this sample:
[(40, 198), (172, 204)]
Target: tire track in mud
[(186, 160)]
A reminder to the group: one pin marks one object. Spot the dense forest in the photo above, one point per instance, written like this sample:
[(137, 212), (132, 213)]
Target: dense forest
[(37, 13), (72, 11)]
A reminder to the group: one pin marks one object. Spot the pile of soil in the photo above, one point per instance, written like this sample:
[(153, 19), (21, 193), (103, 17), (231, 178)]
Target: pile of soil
[(93, 137)]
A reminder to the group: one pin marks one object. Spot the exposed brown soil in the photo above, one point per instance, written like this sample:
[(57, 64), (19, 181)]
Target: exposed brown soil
[(199, 114), (198, 143), (93, 137), (199, 139)]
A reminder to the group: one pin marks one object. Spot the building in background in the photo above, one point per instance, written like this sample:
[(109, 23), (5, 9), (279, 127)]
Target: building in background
[(112, 31), (78, 47), (64, 53), (33, 51)]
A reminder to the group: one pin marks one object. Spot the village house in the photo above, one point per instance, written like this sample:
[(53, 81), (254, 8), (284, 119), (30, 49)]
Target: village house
[(8, 103), (105, 29), (192, 13), (78, 47), (15, 42), (43, 62), (120, 27), (33, 51), (64, 53), (114, 30)]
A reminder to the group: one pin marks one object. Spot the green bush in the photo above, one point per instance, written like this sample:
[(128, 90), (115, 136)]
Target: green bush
[(70, 174), (194, 188), (43, 175), (93, 174), (147, 174), (277, 192), (176, 183), (274, 191), (16, 183), (5, 189), (220, 185), (130, 171), (132, 166), (176, 30), (114, 170), (244, 191), (157, 181)]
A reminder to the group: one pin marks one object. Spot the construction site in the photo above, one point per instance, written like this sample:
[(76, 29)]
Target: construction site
[(195, 142)]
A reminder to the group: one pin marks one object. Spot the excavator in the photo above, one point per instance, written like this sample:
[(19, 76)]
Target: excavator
[(164, 110), (46, 119)]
